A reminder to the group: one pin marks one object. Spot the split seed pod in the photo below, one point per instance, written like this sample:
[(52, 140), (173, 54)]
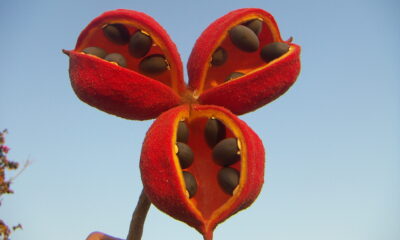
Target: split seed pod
[(199, 162), (124, 63), (110, 68), (207, 192), (266, 73)]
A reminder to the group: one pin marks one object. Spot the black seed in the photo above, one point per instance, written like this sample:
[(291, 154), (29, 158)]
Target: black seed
[(154, 64), (273, 50), (117, 58), (140, 44), (226, 152), (228, 179), (96, 51), (244, 38), (185, 155), (183, 132), (214, 131), (255, 25), (116, 33), (190, 182), (219, 57), (234, 75)]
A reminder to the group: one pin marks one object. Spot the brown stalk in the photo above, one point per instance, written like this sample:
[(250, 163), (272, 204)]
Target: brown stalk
[(138, 217), (137, 222)]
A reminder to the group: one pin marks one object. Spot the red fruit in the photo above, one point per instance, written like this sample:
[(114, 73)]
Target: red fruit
[(199, 163), (206, 192), (126, 91), (263, 81), (124, 63)]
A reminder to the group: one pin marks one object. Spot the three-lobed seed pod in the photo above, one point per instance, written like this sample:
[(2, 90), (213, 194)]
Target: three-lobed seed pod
[(199, 162)]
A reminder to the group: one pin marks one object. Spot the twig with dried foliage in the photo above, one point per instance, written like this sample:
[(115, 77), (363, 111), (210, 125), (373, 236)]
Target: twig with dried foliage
[(5, 164)]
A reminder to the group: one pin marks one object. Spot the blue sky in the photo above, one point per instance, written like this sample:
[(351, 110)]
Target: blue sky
[(332, 140)]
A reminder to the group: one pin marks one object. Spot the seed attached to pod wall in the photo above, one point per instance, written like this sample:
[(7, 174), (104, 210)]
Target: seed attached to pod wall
[(226, 152), (117, 33), (273, 51), (183, 132), (234, 75), (214, 131), (154, 64), (228, 179), (169, 187), (255, 25), (185, 155), (139, 44), (244, 38), (219, 57), (116, 58), (190, 182), (95, 51)]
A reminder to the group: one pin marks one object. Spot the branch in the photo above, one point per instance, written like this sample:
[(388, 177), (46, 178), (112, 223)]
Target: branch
[(137, 222), (138, 218)]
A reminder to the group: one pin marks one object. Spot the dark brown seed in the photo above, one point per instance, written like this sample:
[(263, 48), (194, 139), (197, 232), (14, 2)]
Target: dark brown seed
[(234, 75), (185, 155), (140, 44), (219, 57), (116, 33), (273, 50), (183, 132), (95, 51), (190, 182), (117, 58), (228, 179), (244, 38), (226, 152), (255, 25), (153, 65), (214, 131)]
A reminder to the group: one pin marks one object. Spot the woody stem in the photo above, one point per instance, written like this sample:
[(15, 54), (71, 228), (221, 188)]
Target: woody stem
[(138, 218)]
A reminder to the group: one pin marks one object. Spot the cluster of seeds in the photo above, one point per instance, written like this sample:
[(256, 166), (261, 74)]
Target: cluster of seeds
[(185, 156), (245, 37), (225, 152), (139, 44)]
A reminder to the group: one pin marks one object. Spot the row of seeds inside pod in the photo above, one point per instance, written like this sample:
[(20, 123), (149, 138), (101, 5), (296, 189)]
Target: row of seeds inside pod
[(225, 153), (139, 44), (245, 37)]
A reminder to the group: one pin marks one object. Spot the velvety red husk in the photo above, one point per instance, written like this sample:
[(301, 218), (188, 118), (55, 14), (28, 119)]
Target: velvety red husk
[(208, 38), (150, 25), (252, 91), (117, 90), (160, 176), (121, 91)]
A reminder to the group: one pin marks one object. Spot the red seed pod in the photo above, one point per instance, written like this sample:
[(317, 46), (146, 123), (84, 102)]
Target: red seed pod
[(124, 63), (206, 192), (199, 163), (117, 84), (246, 36)]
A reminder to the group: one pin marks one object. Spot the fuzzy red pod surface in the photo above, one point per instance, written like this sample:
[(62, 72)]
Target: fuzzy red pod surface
[(201, 164), (125, 64), (258, 66)]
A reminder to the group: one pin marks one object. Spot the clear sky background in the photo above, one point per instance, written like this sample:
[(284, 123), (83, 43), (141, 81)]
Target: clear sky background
[(332, 140)]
